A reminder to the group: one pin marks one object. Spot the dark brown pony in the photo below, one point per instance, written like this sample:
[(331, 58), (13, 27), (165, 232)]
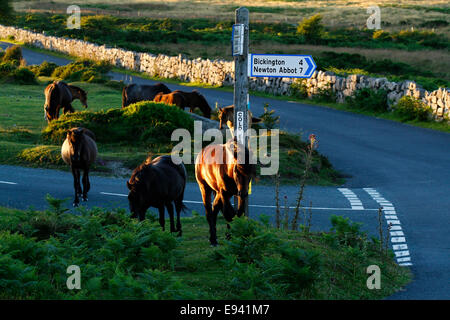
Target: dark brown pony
[(217, 169), (226, 116), (157, 183), (134, 93), (61, 95), (174, 98), (79, 150), (194, 100)]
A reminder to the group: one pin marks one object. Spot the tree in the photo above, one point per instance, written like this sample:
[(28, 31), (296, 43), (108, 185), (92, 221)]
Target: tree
[(311, 28)]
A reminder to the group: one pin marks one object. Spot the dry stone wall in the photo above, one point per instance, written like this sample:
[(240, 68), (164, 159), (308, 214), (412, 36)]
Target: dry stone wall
[(220, 72)]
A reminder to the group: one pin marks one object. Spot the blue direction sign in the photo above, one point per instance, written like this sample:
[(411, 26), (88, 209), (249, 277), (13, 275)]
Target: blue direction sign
[(281, 66)]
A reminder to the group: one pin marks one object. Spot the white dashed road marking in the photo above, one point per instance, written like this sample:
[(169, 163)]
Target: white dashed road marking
[(398, 238), (7, 182), (353, 198)]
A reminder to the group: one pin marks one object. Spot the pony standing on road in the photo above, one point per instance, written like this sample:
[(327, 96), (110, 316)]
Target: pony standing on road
[(134, 93), (157, 183), (61, 95), (217, 169), (194, 100), (79, 150)]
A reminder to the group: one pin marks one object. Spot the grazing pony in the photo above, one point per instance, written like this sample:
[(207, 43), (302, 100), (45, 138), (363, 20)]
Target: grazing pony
[(194, 100), (79, 150), (133, 93), (60, 95), (157, 183), (226, 115), (217, 169), (174, 98)]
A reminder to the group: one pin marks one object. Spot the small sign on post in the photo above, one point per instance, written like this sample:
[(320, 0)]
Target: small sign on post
[(238, 39)]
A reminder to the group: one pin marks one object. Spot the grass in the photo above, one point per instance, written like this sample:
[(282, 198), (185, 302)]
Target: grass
[(121, 258)]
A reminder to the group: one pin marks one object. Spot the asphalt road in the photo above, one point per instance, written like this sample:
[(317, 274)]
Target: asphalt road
[(404, 168)]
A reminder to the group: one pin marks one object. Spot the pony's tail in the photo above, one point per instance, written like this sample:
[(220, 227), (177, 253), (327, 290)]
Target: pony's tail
[(124, 96)]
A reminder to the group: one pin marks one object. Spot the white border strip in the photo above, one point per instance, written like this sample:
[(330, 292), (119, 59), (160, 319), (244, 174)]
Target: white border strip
[(352, 198), (397, 236)]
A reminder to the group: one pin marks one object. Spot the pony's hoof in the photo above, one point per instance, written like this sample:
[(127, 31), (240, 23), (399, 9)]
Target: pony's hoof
[(75, 204), (214, 244), (179, 234), (85, 199)]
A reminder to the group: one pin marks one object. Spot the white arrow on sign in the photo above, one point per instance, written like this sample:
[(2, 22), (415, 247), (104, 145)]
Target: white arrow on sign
[(281, 66)]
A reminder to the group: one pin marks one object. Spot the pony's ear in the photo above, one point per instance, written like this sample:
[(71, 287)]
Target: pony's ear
[(256, 120)]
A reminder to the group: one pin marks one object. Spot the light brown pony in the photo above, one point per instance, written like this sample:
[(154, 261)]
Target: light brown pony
[(226, 116), (217, 169), (60, 95), (194, 100), (79, 150), (174, 98)]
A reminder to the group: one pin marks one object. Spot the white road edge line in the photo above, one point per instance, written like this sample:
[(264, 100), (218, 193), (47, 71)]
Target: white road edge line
[(7, 182), (257, 205), (398, 238)]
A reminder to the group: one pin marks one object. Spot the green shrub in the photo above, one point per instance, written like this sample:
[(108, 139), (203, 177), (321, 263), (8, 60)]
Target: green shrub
[(299, 89), (268, 119), (368, 99), (409, 108), (119, 257), (44, 69), (13, 54), (347, 233), (6, 68), (83, 70), (146, 121), (23, 76), (41, 155), (249, 240), (311, 28)]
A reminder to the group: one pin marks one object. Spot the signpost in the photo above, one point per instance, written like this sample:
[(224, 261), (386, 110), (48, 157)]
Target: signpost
[(240, 54), (257, 65)]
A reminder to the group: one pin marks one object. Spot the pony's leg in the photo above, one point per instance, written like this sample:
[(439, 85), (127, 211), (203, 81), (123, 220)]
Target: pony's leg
[(206, 196), (86, 184), (178, 208), (76, 185), (212, 219), (162, 221), (169, 207), (68, 109), (228, 213)]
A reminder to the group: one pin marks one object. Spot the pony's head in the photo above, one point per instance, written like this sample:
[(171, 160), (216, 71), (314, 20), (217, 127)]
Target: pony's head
[(52, 104), (139, 184), (75, 137), (201, 103), (83, 97), (244, 171)]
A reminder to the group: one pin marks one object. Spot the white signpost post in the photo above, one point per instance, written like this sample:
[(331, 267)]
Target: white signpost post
[(258, 65)]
